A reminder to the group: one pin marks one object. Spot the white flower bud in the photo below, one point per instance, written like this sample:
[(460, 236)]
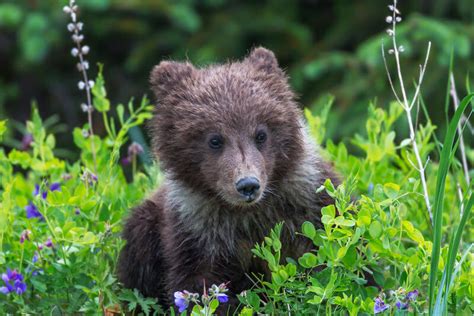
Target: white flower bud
[(81, 84), (401, 49), (74, 52), (91, 83), (388, 19), (85, 133), (84, 107), (67, 9), (73, 16), (85, 50), (71, 27), (77, 38), (79, 25), (391, 51), (398, 19), (390, 32)]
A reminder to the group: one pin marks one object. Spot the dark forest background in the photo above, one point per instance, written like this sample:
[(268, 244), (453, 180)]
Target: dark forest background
[(327, 47)]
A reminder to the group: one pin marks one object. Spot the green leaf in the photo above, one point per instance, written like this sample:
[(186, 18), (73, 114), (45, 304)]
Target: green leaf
[(445, 161), (375, 230), (308, 229), (308, 260), (391, 190)]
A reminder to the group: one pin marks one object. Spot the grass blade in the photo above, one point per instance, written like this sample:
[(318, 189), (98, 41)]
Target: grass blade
[(445, 161)]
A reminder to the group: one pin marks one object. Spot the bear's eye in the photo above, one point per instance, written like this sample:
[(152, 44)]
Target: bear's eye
[(216, 142), (261, 137)]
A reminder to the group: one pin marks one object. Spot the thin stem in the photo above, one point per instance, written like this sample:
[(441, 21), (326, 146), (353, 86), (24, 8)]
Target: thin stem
[(407, 106), (77, 38)]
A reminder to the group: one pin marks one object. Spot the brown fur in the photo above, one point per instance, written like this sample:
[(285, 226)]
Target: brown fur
[(196, 228)]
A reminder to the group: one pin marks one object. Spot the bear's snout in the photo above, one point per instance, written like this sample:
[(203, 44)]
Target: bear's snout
[(248, 188)]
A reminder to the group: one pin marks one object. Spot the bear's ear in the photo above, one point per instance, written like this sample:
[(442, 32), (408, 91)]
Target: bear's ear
[(168, 75), (263, 59)]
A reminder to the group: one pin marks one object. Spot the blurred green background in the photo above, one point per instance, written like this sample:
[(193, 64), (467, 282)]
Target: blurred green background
[(327, 47)]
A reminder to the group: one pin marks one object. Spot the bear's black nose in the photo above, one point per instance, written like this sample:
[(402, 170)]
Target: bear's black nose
[(247, 187)]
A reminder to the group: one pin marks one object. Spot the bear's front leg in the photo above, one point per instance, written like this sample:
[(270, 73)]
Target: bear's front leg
[(140, 264)]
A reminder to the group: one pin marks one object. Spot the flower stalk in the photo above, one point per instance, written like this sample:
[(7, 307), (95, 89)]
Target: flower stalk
[(407, 104), (80, 51)]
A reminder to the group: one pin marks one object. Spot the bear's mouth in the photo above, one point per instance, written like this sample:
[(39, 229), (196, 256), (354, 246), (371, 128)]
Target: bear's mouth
[(246, 201)]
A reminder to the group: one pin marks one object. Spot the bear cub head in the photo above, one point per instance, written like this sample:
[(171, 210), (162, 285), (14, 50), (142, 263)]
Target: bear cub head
[(231, 132)]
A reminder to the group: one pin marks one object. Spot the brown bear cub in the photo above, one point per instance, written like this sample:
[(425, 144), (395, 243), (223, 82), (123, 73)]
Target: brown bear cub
[(238, 159)]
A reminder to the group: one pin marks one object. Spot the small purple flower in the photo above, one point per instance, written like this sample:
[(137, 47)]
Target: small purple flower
[(36, 191), (77, 211), (32, 211), (56, 186), (380, 305), (222, 298), (25, 235), (26, 142), (20, 287), (48, 243), (181, 300), (401, 305), (412, 295), (35, 258), (134, 149), (13, 282), (125, 161), (89, 177), (219, 292)]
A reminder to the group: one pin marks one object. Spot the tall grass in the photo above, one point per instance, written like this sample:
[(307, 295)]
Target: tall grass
[(438, 306)]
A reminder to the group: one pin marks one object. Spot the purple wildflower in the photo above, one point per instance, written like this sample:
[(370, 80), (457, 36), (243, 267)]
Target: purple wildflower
[(181, 300), (48, 243), (222, 298), (412, 295), (35, 258), (13, 282), (77, 211), (401, 305), (126, 161), (36, 191), (380, 305), (25, 235), (56, 186), (26, 142), (89, 177), (134, 149), (219, 292), (32, 211)]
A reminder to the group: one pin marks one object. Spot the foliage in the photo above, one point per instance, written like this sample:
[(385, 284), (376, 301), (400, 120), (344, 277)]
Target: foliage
[(382, 236), (82, 218), (377, 231)]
